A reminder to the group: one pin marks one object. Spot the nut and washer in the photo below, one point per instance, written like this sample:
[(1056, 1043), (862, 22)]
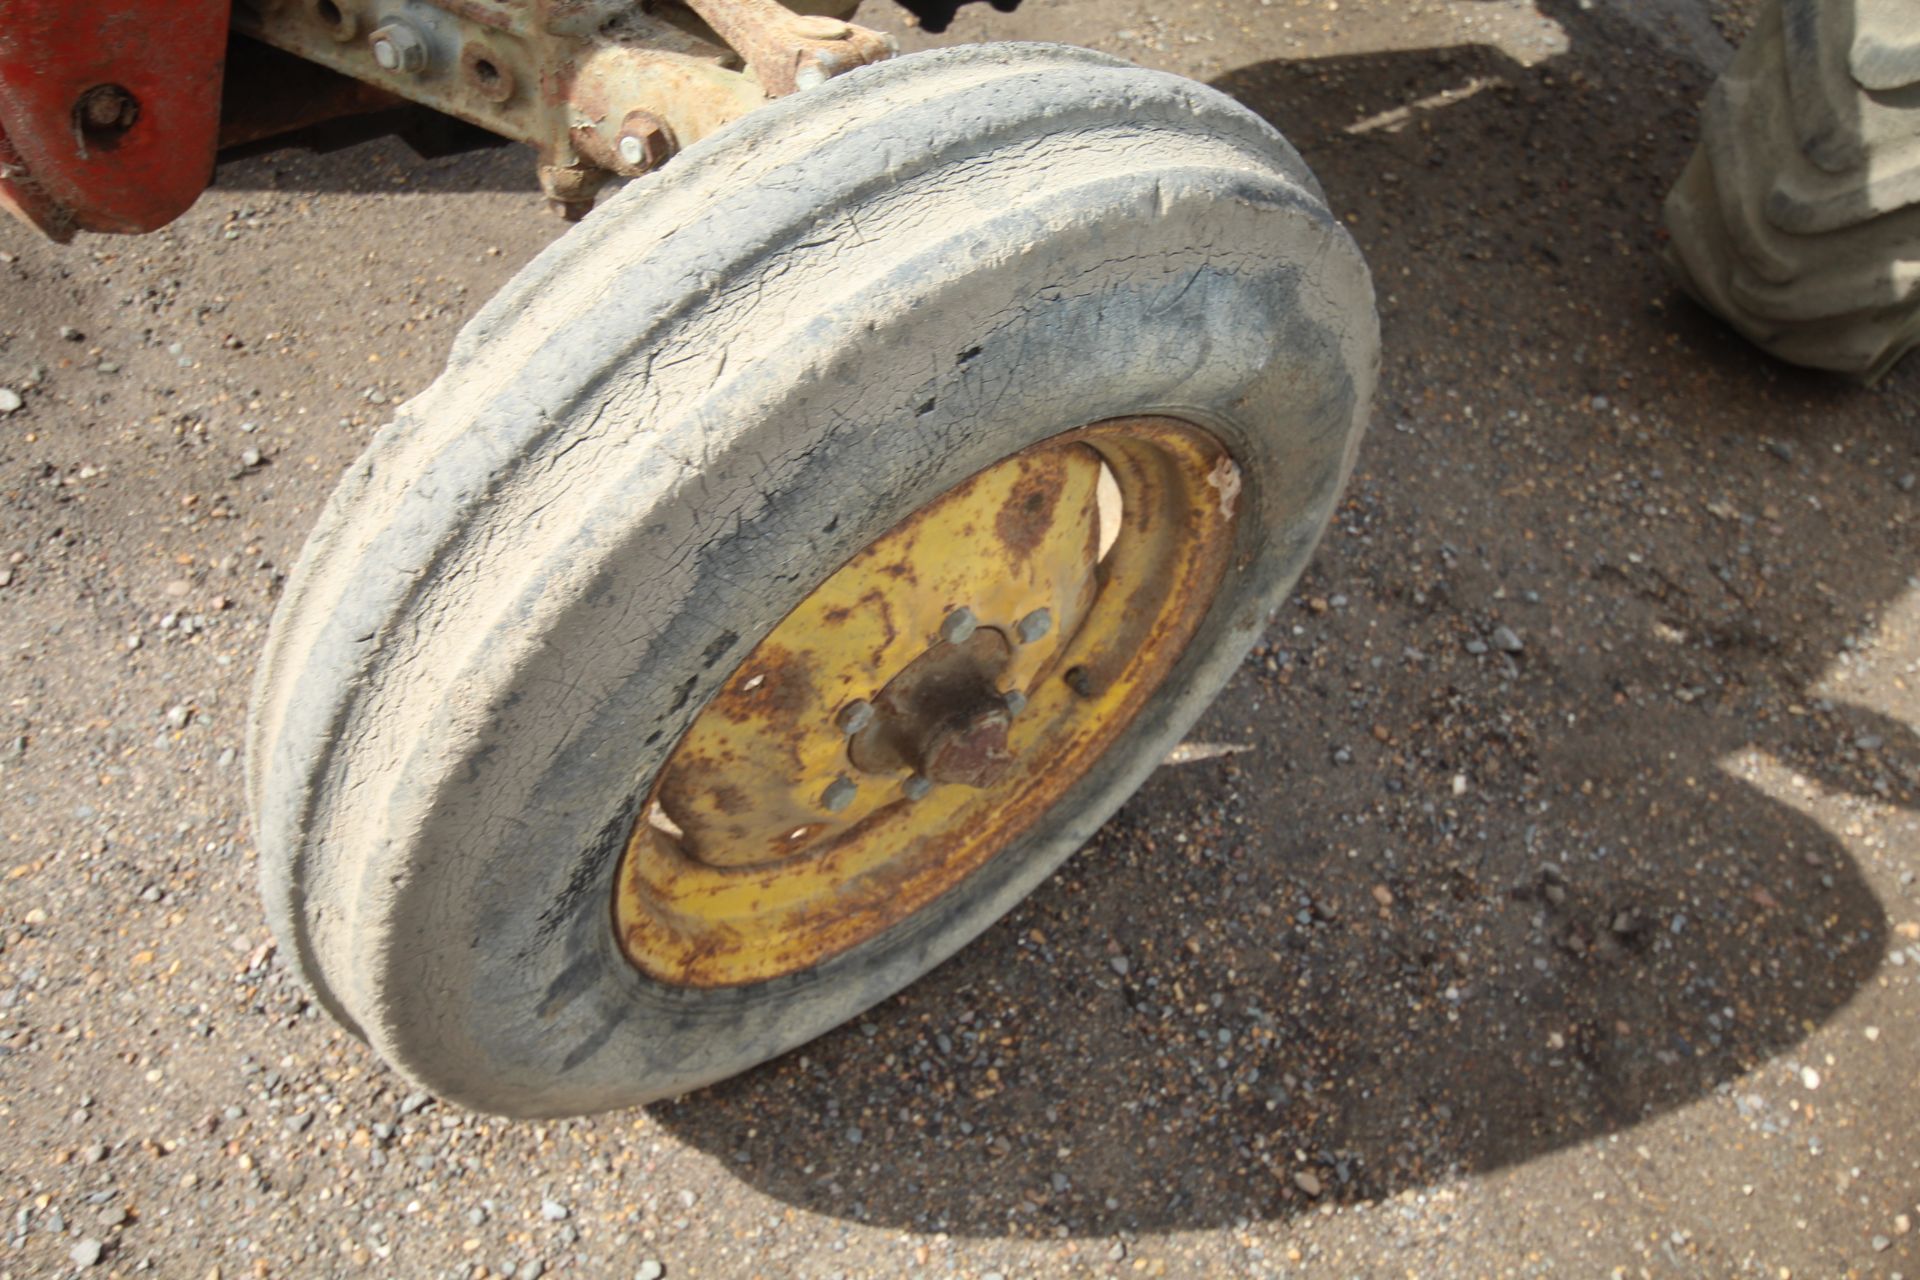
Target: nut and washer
[(398, 47), (958, 627), (839, 794), (855, 716), (916, 787), (1034, 626)]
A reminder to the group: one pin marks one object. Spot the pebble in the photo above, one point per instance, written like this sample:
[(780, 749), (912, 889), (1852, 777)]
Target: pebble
[(86, 1253), (1506, 640), (1809, 1077), (1119, 965), (553, 1211), (651, 1269), (1881, 1244), (249, 457), (10, 401), (1307, 1181)]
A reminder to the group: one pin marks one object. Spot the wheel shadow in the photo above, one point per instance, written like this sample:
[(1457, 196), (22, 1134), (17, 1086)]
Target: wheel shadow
[(1459, 907)]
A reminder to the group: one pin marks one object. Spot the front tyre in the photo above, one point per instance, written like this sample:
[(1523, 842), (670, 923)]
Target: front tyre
[(794, 565)]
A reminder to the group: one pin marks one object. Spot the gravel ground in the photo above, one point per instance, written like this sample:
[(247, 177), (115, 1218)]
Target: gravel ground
[(1560, 917)]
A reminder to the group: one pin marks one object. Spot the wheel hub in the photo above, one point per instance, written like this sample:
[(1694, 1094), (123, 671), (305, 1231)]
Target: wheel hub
[(944, 718), (927, 703)]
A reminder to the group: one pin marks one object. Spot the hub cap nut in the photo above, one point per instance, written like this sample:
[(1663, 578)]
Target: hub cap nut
[(838, 795), (959, 626)]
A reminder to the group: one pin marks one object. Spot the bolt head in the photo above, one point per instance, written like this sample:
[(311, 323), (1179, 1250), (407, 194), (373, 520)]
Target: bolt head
[(1014, 701), (809, 77), (398, 47), (916, 788), (855, 716), (1034, 626), (632, 150), (839, 794), (958, 627)]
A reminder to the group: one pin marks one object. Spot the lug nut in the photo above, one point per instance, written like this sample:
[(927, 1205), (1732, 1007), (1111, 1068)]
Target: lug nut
[(1034, 626), (855, 716), (1079, 681), (398, 47), (838, 795), (959, 626), (916, 787), (1014, 701)]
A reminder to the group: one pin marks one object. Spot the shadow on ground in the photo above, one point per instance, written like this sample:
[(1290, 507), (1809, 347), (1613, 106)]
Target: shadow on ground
[(1459, 907)]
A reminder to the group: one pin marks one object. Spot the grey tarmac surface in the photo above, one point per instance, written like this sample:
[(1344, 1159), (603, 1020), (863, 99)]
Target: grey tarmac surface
[(1560, 917)]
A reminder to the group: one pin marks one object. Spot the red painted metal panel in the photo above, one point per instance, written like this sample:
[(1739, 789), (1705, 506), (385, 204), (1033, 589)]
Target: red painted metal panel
[(109, 110)]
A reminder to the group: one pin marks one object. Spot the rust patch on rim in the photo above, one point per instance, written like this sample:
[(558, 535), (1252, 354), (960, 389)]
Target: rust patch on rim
[(897, 730)]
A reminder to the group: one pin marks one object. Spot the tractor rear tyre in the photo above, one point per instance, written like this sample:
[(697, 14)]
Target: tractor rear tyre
[(1798, 219), (795, 564)]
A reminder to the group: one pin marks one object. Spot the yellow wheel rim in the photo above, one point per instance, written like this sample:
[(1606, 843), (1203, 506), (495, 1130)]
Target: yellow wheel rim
[(927, 703)]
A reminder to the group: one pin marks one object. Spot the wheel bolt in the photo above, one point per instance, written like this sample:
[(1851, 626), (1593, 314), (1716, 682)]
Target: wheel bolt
[(1033, 626), (838, 795), (916, 787), (959, 626), (1014, 701), (855, 716)]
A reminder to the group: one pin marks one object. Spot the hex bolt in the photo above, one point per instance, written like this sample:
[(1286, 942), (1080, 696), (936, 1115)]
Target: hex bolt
[(916, 787), (958, 627), (855, 716), (809, 77), (398, 47), (1014, 701), (1079, 681), (1034, 626), (839, 794), (646, 142)]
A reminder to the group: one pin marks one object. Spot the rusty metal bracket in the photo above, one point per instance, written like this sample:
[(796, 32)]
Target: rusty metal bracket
[(788, 51), (599, 88)]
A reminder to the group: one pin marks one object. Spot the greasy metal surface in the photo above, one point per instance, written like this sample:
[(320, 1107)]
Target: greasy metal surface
[(575, 79), (776, 838), (104, 124)]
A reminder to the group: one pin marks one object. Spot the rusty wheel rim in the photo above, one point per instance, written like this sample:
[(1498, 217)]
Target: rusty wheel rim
[(927, 703)]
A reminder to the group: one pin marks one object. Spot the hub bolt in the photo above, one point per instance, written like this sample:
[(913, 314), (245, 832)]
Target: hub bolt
[(916, 787), (1034, 626), (959, 626), (855, 716), (839, 794), (1014, 701)]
